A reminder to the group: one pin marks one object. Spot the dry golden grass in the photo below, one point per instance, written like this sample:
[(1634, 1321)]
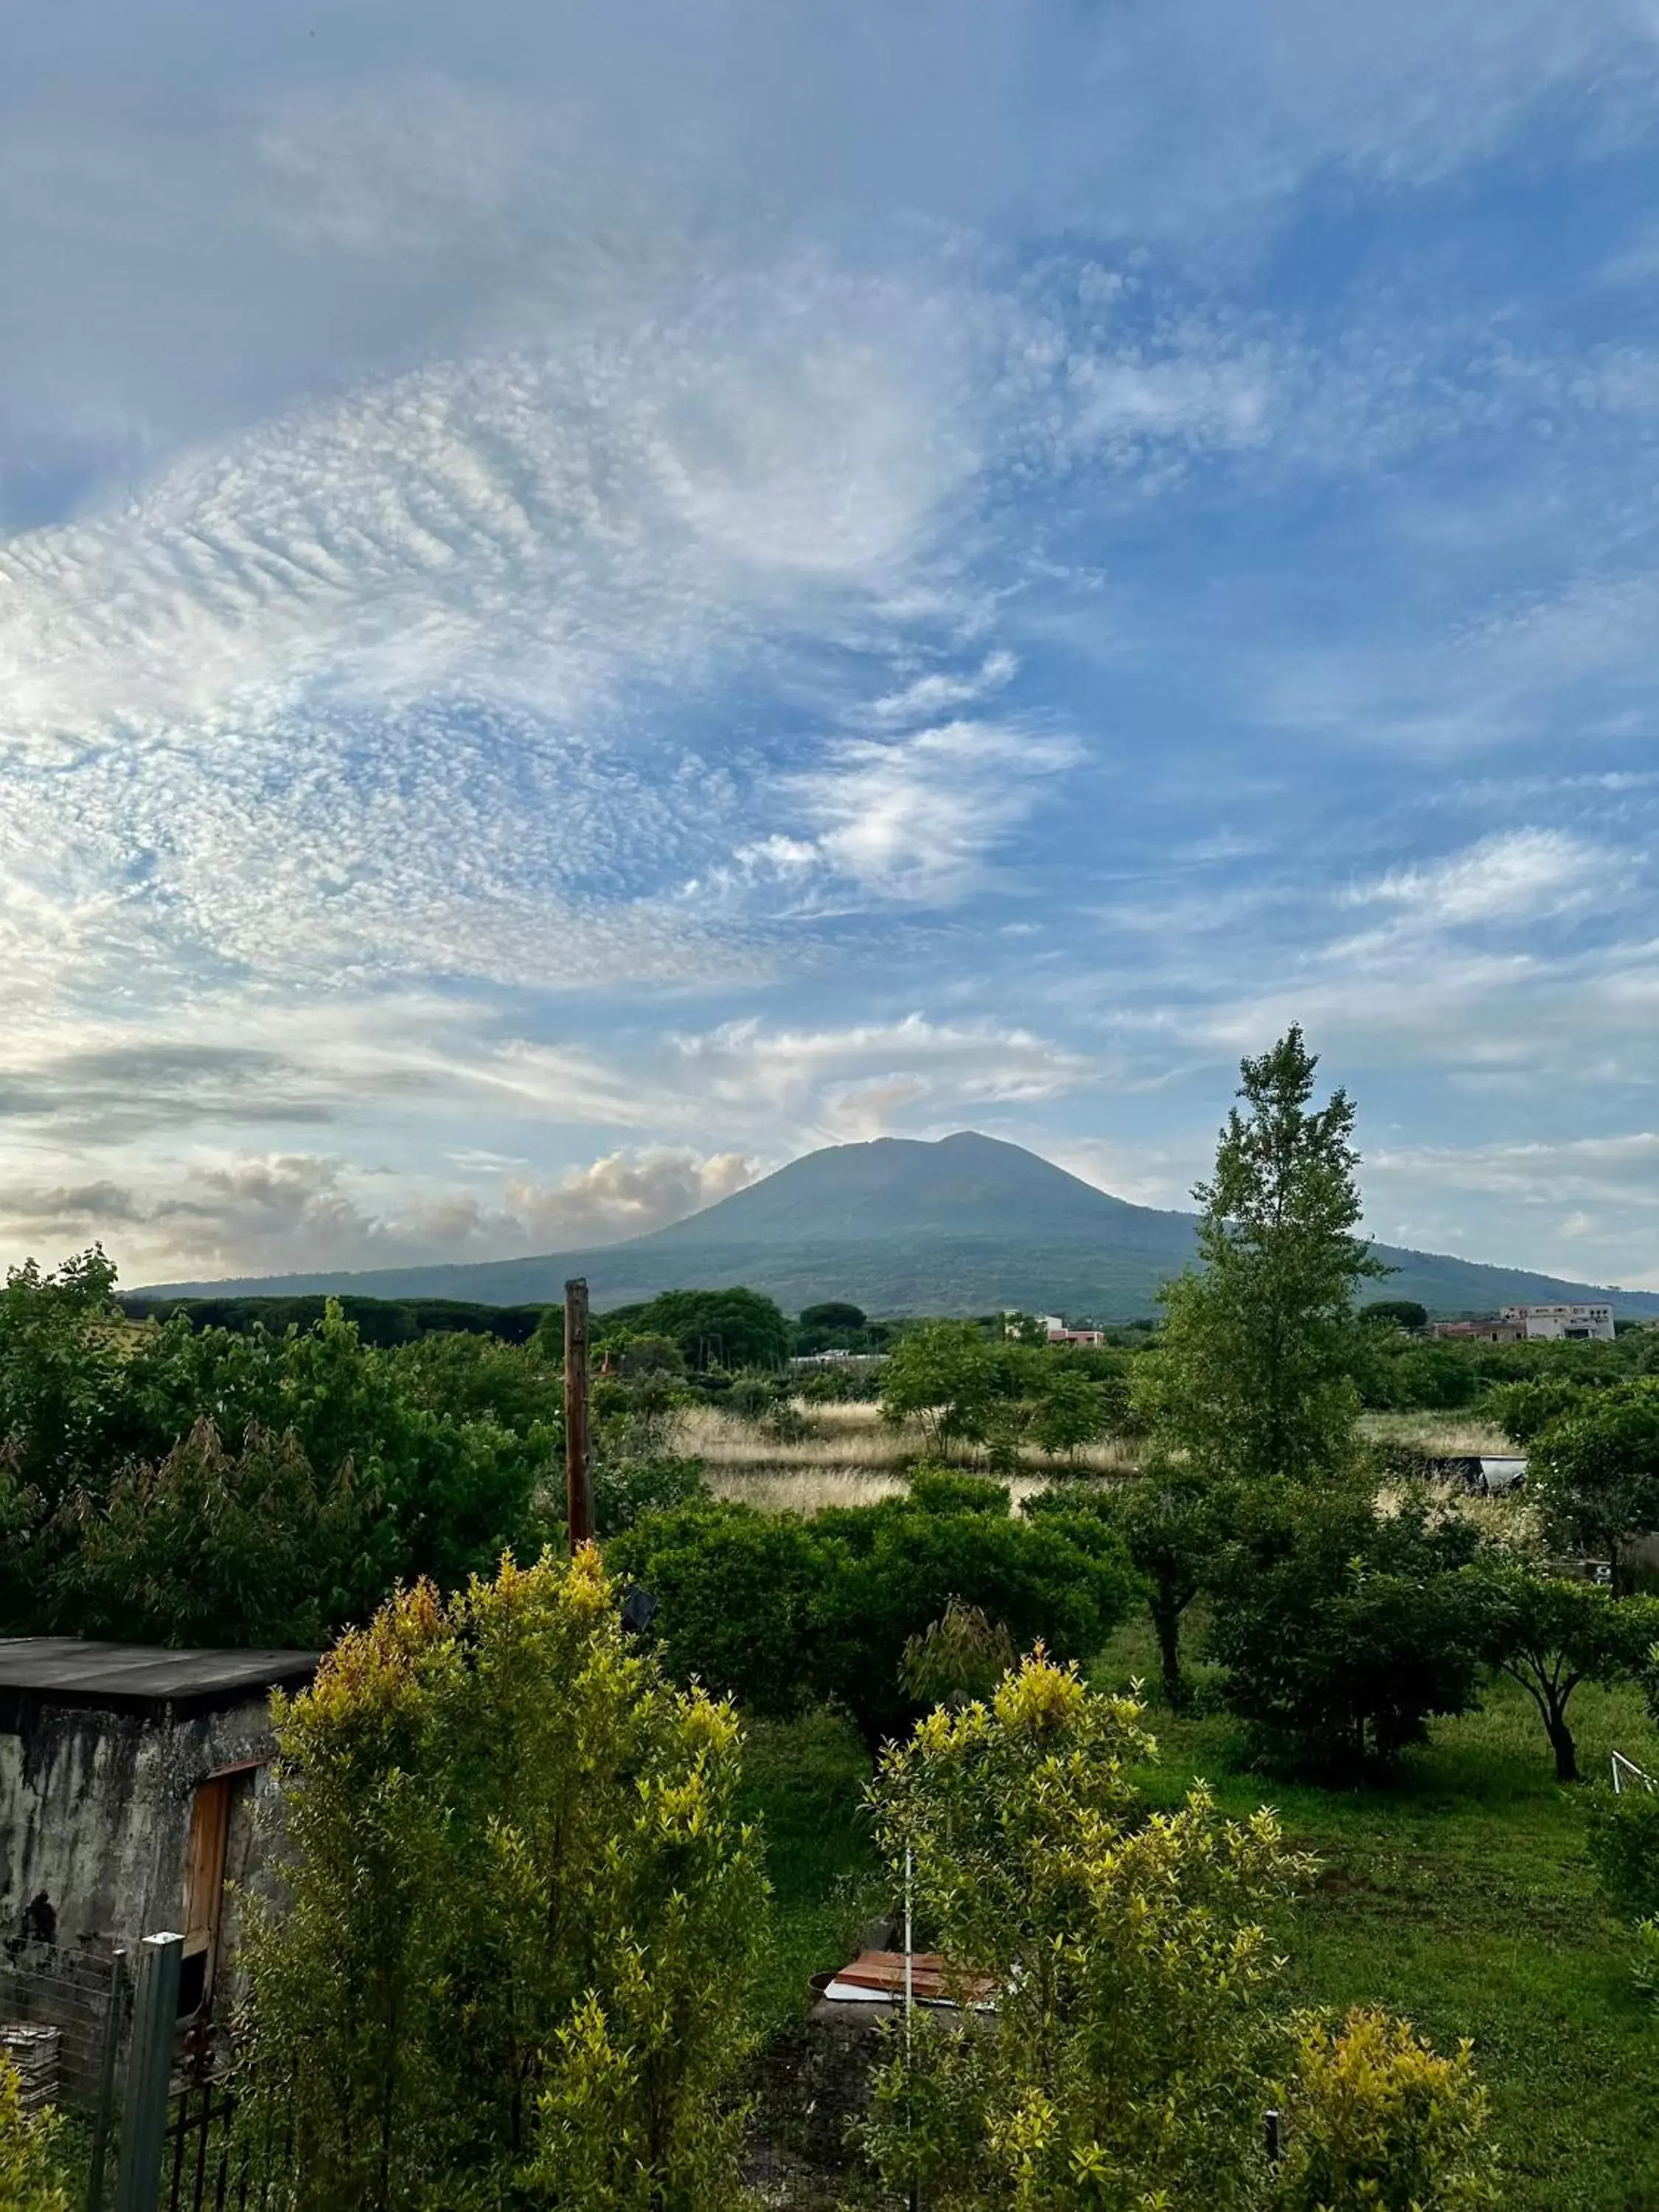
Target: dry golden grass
[(865, 1443), (850, 1456), (804, 1489), (1443, 1435), (854, 1438)]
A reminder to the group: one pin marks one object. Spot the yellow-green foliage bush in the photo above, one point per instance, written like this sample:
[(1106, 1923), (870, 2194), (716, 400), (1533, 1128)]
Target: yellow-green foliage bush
[(1375, 2117), (513, 1962), (1126, 2063), (26, 2182)]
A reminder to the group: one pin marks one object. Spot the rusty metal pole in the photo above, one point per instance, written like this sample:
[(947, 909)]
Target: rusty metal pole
[(578, 1490)]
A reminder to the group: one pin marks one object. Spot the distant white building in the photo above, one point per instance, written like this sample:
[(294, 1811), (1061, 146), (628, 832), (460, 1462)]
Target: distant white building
[(1053, 1328), (1592, 1320)]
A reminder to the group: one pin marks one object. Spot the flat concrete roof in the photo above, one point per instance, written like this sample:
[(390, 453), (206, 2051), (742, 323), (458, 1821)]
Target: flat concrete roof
[(65, 1670)]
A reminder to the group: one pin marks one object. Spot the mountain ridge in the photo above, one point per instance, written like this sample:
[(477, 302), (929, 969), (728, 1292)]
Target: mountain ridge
[(963, 1224)]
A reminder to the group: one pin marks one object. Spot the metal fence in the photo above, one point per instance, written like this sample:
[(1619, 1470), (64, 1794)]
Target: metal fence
[(208, 2166), (73, 1992)]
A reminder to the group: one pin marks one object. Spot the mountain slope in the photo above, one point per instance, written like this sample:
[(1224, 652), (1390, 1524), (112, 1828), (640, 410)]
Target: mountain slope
[(964, 1225)]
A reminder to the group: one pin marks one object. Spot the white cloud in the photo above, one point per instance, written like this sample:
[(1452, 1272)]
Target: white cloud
[(862, 1079), (625, 1194), (929, 695), (917, 818), (1518, 875)]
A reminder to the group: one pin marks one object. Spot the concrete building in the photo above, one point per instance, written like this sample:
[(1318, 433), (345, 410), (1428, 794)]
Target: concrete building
[(130, 1779), (1484, 1332), (1592, 1320)]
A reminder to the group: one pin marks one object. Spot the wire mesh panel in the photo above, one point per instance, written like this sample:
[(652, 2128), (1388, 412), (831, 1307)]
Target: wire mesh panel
[(68, 1991)]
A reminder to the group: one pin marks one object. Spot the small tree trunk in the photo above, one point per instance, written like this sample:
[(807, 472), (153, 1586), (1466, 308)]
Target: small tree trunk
[(1567, 1752), (1166, 1620)]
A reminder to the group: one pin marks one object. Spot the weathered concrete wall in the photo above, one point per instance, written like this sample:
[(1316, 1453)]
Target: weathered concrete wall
[(94, 1815)]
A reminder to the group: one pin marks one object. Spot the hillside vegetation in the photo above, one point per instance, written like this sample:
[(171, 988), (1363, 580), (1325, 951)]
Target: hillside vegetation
[(966, 1225)]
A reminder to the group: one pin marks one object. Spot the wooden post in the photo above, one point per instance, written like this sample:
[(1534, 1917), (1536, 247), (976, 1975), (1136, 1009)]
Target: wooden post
[(578, 1490), (149, 2074)]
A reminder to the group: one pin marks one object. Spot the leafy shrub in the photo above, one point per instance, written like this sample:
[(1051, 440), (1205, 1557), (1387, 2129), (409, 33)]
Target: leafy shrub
[(28, 2182), (625, 1490), (1524, 1410), (1623, 1841), (215, 1546), (781, 1612), (961, 1655), (1376, 2116), (896, 1567), (1126, 2063), (737, 1591), (751, 1397), (948, 1489), (513, 1962)]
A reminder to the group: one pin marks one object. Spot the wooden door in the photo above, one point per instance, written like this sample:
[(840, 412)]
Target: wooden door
[(205, 1890)]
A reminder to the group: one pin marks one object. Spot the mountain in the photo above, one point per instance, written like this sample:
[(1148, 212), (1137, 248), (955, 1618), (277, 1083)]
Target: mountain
[(964, 1225)]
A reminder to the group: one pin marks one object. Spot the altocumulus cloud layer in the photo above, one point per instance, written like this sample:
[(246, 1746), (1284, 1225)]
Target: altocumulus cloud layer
[(590, 598)]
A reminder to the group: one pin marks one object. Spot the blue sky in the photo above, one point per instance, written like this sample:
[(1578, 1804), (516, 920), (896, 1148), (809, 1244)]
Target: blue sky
[(592, 597)]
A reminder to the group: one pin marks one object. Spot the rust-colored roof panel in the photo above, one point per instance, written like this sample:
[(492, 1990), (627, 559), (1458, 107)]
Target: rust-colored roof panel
[(881, 1974)]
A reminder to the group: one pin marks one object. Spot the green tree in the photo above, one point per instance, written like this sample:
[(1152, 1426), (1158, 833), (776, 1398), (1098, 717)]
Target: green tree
[(832, 1325), (728, 1329), (513, 1961), (1255, 1376), (60, 1378), (945, 1376), (1343, 1628), (213, 1547), (737, 1592), (1595, 1473), (833, 1314), (1173, 1520), (1394, 1314), (1068, 1411), (1550, 1634), (1376, 2116), (60, 1367), (1126, 2063), (456, 1478), (28, 2177)]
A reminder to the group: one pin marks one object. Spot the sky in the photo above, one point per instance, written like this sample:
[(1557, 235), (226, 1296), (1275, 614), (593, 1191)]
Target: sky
[(595, 595)]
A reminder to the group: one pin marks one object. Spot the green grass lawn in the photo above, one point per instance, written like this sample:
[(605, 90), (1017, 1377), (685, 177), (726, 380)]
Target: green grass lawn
[(804, 1781), (1457, 1893)]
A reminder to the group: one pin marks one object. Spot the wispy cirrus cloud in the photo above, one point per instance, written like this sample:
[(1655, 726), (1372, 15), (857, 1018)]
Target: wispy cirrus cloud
[(638, 595)]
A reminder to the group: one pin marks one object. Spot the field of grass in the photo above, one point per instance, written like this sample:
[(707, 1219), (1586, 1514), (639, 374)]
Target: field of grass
[(850, 1457), (1439, 1434), (1457, 1892)]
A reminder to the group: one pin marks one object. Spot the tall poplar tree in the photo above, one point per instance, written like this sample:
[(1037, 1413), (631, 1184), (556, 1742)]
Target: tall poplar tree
[(1255, 1374)]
